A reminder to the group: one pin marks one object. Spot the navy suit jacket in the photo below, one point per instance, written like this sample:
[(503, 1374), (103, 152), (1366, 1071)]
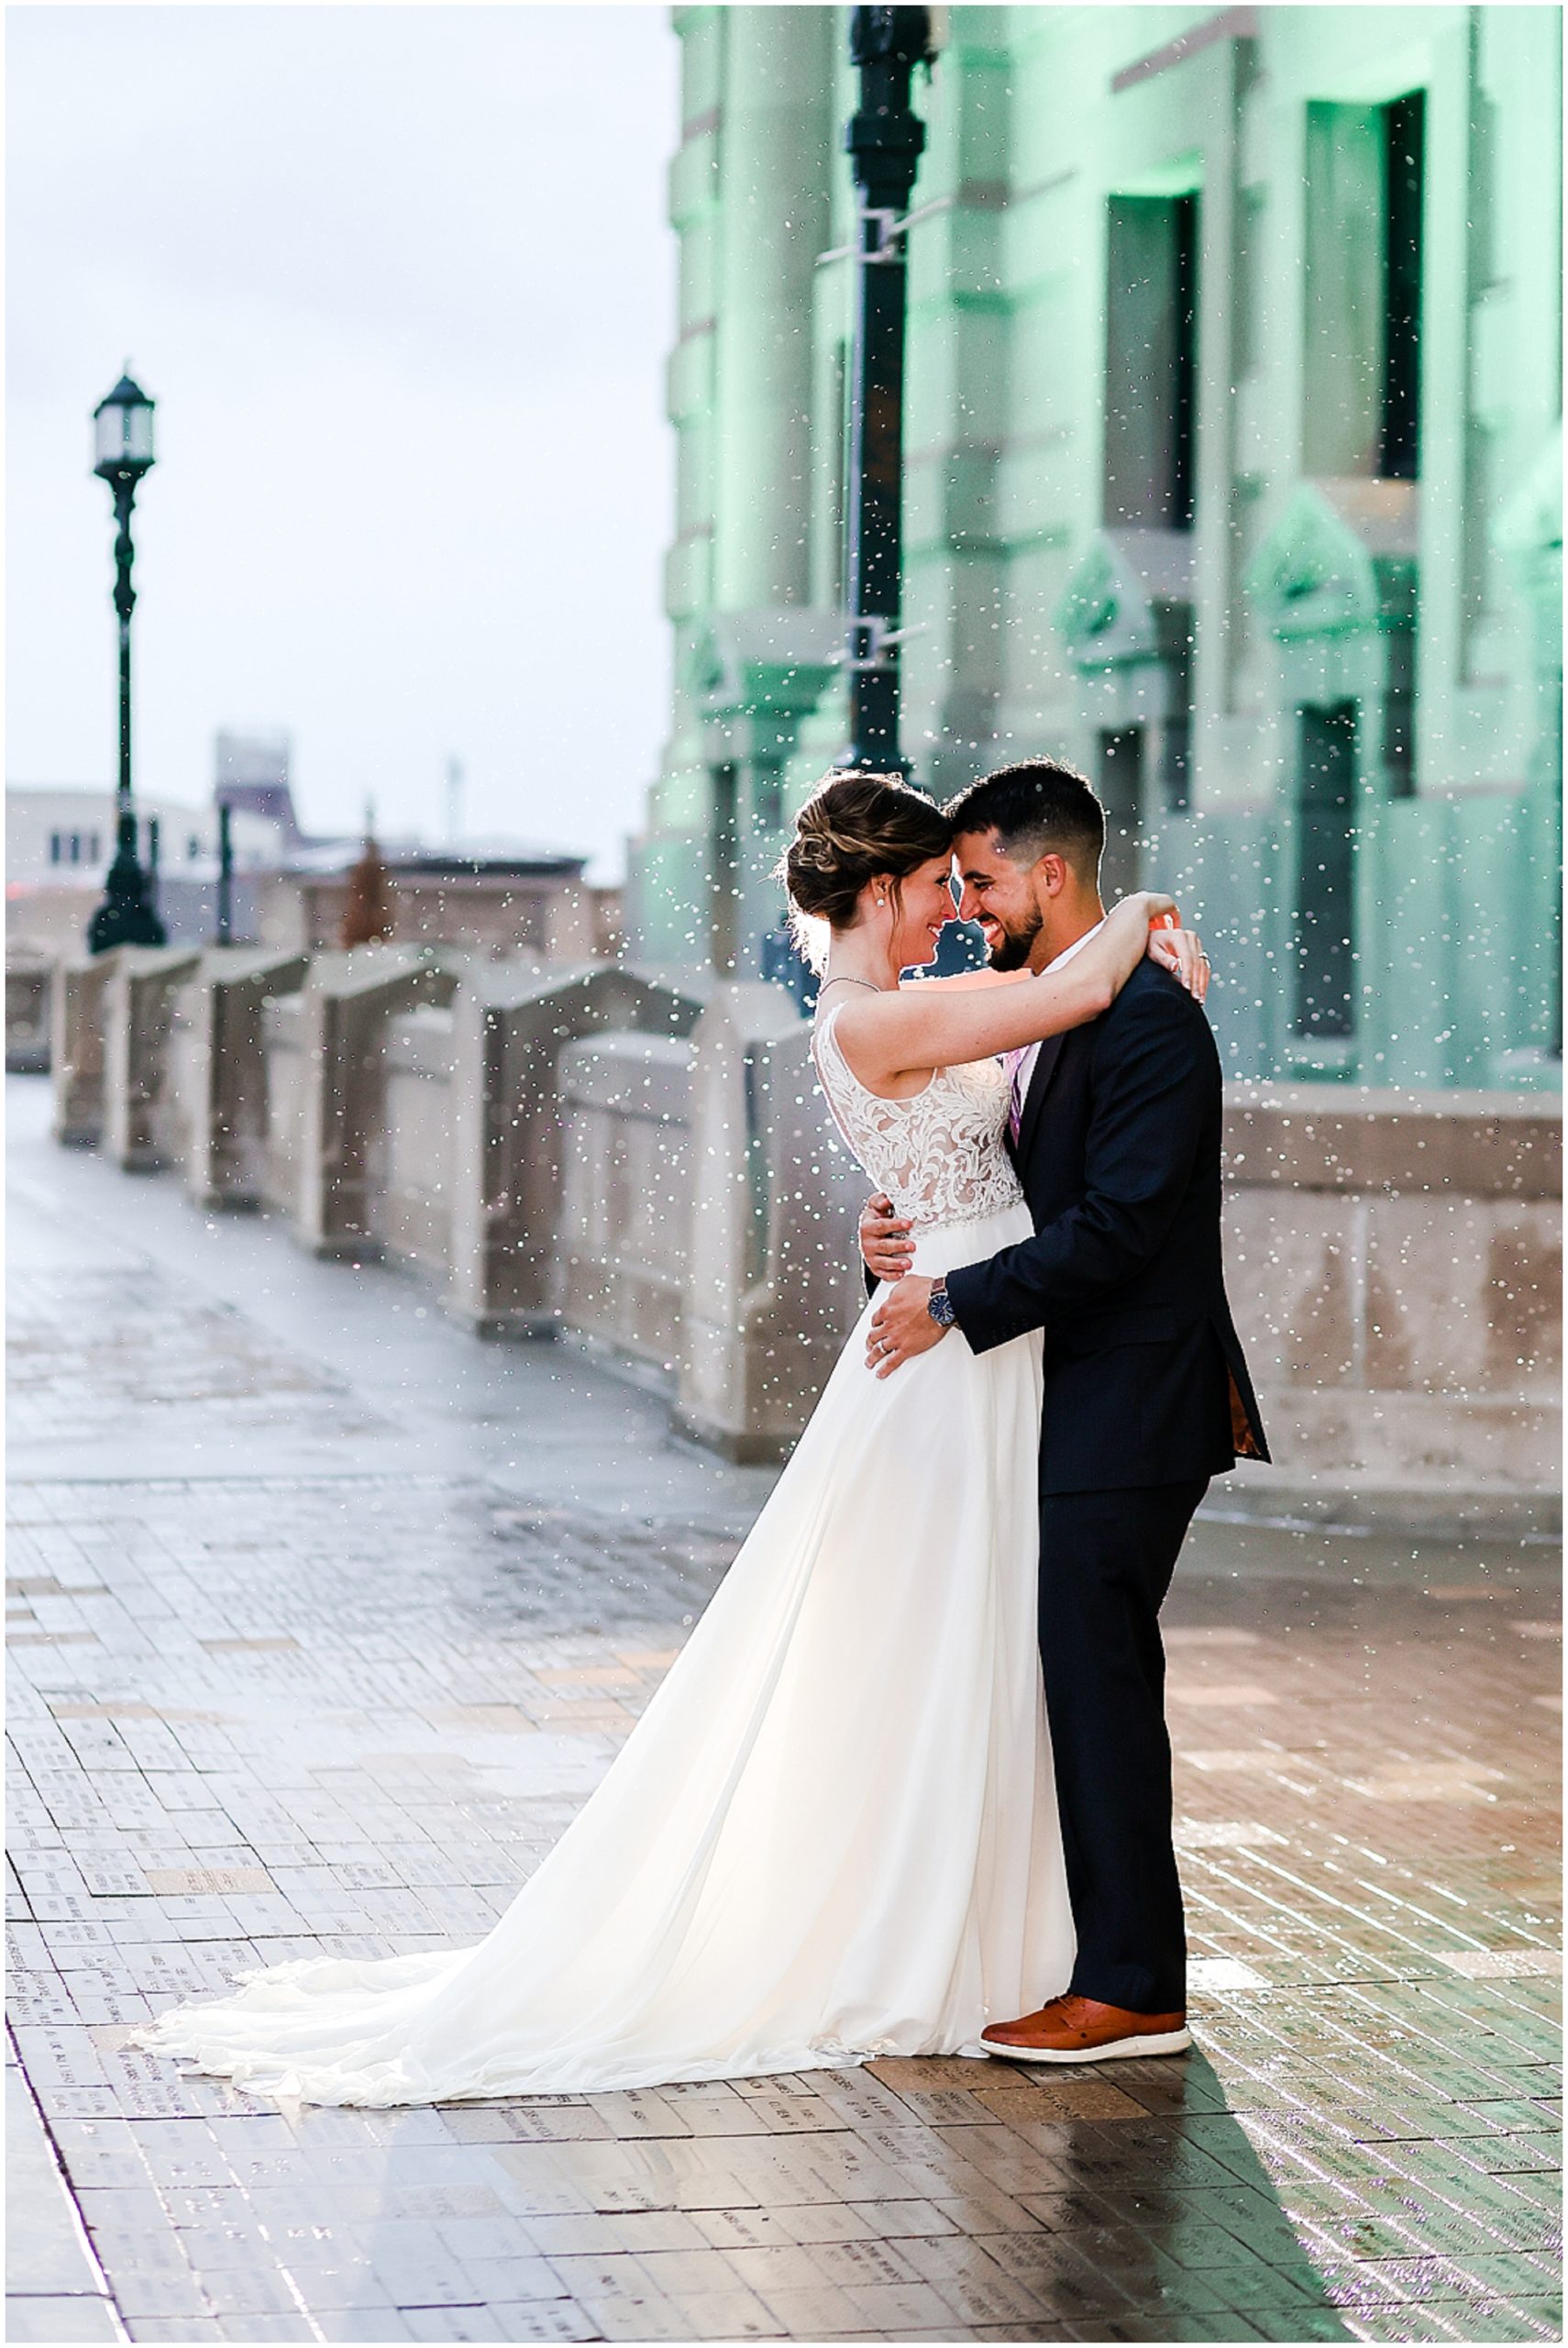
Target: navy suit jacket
[(1119, 1155)]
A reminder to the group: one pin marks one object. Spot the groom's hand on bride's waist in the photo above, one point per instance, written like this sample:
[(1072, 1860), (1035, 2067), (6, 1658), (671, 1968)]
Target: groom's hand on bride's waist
[(884, 1239), (901, 1326)]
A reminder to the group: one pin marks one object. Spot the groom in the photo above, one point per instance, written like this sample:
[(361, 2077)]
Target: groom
[(1115, 1130)]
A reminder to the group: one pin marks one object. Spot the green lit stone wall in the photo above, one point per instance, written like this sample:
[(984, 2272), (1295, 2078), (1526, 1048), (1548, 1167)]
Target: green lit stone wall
[(1415, 620)]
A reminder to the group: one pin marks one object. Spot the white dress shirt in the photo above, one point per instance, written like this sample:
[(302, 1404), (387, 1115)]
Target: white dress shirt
[(1025, 1076)]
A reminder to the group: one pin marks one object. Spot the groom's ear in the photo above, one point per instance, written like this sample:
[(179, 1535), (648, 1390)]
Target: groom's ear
[(1051, 874)]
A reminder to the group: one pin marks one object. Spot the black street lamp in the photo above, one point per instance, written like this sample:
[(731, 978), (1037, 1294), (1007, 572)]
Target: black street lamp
[(225, 935), (123, 447), (884, 139)]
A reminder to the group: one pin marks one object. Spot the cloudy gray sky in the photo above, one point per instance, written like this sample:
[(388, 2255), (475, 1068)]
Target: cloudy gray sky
[(400, 281)]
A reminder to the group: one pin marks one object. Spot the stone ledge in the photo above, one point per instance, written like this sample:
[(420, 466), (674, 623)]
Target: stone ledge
[(1421, 1511), (1317, 1137)]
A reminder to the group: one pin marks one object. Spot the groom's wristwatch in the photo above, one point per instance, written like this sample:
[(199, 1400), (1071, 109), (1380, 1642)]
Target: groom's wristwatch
[(939, 1304)]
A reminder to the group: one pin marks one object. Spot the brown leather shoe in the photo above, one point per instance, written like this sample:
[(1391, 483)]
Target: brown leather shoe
[(1080, 2030)]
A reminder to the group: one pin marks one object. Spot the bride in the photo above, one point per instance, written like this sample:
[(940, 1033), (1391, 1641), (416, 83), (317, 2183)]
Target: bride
[(832, 1835)]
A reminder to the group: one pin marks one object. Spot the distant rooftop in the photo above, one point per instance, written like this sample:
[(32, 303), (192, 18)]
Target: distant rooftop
[(492, 855), (273, 802)]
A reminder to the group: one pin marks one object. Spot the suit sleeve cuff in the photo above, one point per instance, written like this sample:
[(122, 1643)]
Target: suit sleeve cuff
[(968, 1318)]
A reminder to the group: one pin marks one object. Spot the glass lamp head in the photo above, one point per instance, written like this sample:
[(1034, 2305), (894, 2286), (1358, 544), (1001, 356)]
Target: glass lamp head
[(122, 432)]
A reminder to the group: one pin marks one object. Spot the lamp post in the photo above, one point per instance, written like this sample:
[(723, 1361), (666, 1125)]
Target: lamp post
[(885, 139), (224, 935), (123, 447)]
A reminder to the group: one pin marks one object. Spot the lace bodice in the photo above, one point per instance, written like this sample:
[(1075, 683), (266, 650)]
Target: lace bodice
[(941, 1157)]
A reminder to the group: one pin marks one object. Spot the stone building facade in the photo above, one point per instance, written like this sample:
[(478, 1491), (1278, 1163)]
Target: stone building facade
[(1234, 473)]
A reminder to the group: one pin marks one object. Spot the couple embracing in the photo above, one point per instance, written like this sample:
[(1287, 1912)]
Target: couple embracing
[(907, 1790)]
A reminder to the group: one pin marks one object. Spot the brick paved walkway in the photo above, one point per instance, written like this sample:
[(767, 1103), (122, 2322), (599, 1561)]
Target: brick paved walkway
[(298, 1662)]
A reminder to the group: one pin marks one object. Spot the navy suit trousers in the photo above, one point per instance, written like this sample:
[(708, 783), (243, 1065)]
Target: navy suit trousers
[(1106, 1561)]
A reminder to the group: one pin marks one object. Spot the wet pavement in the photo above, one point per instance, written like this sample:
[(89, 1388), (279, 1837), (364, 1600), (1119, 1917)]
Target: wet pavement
[(324, 1619)]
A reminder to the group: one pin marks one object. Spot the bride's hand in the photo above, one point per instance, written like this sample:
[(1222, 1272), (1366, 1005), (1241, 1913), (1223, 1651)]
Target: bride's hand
[(1180, 951), (1142, 907)]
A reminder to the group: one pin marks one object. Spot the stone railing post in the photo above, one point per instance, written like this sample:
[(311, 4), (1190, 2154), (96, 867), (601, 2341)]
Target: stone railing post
[(509, 1030), (30, 984), (139, 997), (343, 1009), (408, 1200), (774, 1284), (218, 1068), (1394, 1261), (76, 1046), (619, 1267)]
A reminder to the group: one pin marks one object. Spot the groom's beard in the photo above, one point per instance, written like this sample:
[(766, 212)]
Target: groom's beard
[(1016, 945)]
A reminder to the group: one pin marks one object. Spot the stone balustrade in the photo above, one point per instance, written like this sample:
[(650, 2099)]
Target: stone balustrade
[(29, 979), (282, 1080), (598, 1153), (622, 1243), (408, 1213), (214, 1126), (139, 1014), (775, 1282), (510, 1027), (326, 1050), (77, 1011), (1395, 1266)]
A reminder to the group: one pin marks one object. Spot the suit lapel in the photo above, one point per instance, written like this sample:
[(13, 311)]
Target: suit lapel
[(1046, 1063)]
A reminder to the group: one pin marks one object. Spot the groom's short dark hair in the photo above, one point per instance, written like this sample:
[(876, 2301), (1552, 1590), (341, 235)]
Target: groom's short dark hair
[(1036, 808)]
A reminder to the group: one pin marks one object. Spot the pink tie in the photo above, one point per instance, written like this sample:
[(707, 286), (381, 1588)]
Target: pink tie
[(1013, 1063)]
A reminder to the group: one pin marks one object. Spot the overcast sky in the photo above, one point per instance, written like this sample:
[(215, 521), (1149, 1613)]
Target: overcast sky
[(401, 284)]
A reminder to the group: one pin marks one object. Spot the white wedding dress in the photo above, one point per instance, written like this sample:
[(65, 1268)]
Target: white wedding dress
[(833, 1834)]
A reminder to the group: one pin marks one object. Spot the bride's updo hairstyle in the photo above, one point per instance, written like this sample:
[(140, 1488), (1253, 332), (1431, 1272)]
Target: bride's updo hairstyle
[(852, 828)]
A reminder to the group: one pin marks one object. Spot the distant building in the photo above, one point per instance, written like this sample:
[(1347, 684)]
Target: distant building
[(1233, 475), (65, 833), (251, 778), (502, 900), (497, 897), (59, 839)]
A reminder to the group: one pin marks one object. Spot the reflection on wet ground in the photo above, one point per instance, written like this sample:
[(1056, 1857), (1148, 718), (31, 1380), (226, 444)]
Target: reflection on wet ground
[(286, 1676)]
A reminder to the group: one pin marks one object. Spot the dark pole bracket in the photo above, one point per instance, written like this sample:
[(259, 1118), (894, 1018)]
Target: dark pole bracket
[(885, 139)]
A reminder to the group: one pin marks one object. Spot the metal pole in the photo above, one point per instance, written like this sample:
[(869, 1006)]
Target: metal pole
[(885, 139), (154, 841), (125, 604), (127, 916), (226, 877)]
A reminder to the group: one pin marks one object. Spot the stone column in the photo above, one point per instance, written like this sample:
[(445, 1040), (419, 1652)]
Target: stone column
[(763, 674), (343, 1010), (29, 986), (509, 1030), (76, 1048), (619, 1267), (776, 147), (774, 1282), (137, 1008), (220, 1069)]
